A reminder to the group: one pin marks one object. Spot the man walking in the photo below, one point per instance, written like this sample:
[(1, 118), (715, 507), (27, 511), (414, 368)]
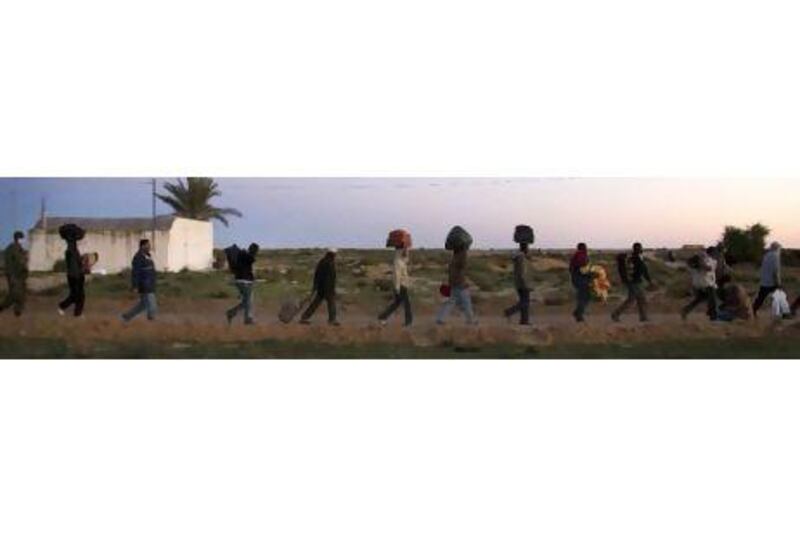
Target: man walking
[(581, 280), (244, 279), (16, 266), (523, 305), (143, 281), (634, 283), (723, 272), (401, 284), (324, 288), (76, 280), (770, 275), (703, 269), (459, 289)]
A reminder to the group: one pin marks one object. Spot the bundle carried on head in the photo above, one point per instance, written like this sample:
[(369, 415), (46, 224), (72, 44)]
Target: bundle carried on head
[(398, 238), (458, 239), (71, 232), (523, 234)]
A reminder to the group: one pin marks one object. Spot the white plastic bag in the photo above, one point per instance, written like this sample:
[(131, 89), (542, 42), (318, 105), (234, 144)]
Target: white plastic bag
[(780, 304)]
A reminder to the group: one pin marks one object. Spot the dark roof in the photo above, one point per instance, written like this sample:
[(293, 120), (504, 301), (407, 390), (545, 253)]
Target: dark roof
[(163, 222)]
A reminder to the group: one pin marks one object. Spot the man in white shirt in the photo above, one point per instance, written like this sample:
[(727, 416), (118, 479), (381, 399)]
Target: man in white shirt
[(704, 284)]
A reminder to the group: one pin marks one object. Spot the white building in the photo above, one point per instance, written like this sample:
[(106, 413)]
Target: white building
[(179, 242)]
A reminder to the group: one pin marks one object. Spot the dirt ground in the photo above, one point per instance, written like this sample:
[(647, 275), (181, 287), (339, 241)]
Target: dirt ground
[(186, 326)]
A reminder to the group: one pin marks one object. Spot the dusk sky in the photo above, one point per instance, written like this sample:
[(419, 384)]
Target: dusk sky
[(606, 213)]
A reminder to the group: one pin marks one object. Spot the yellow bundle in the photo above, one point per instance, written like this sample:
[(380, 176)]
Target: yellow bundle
[(600, 282)]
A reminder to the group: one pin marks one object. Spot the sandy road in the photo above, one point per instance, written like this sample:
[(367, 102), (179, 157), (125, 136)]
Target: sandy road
[(204, 322)]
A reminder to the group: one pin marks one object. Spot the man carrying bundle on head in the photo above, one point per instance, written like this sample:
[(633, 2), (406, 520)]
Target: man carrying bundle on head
[(400, 240), (523, 235), (76, 276), (16, 266), (457, 289)]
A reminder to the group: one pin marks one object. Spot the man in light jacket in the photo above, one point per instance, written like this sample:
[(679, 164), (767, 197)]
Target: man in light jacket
[(703, 269), (523, 305), (401, 284), (770, 275), (143, 281)]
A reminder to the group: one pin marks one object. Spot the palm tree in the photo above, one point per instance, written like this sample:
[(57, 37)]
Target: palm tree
[(192, 200)]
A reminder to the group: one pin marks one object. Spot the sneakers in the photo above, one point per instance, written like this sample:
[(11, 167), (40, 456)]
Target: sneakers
[(615, 317), (334, 323), (382, 323), (305, 322), (60, 311)]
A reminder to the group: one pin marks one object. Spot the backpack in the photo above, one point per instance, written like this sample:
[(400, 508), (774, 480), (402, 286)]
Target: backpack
[(232, 257)]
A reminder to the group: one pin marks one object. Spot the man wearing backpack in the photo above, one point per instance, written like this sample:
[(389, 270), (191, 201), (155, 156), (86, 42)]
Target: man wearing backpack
[(703, 269), (324, 288), (633, 282), (16, 267), (244, 279), (143, 280), (770, 275)]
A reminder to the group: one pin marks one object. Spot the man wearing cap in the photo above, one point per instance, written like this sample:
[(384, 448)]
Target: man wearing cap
[(770, 275), (16, 266), (324, 288)]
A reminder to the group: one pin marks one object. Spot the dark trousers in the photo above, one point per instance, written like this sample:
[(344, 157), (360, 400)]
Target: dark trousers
[(76, 296), (523, 306), (400, 297), (708, 295), (583, 295), (312, 307), (15, 297), (763, 292), (635, 294), (796, 305)]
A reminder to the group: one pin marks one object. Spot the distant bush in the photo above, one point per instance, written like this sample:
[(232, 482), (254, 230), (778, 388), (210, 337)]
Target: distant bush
[(745, 245)]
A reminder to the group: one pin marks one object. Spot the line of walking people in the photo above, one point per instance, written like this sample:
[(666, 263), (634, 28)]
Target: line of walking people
[(711, 279)]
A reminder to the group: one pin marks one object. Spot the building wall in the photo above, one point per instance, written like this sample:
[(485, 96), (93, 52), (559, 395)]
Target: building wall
[(188, 244), (191, 245), (116, 249)]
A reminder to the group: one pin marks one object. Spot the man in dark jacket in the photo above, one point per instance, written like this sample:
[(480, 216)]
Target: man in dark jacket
[(16, 266), (634, 284), (581, 280), (76, 280), (523, 305), (324, 288), (143, 281), (244, 279)]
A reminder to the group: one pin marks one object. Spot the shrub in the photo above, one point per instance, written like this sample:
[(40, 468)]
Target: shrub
[(745, 245)]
